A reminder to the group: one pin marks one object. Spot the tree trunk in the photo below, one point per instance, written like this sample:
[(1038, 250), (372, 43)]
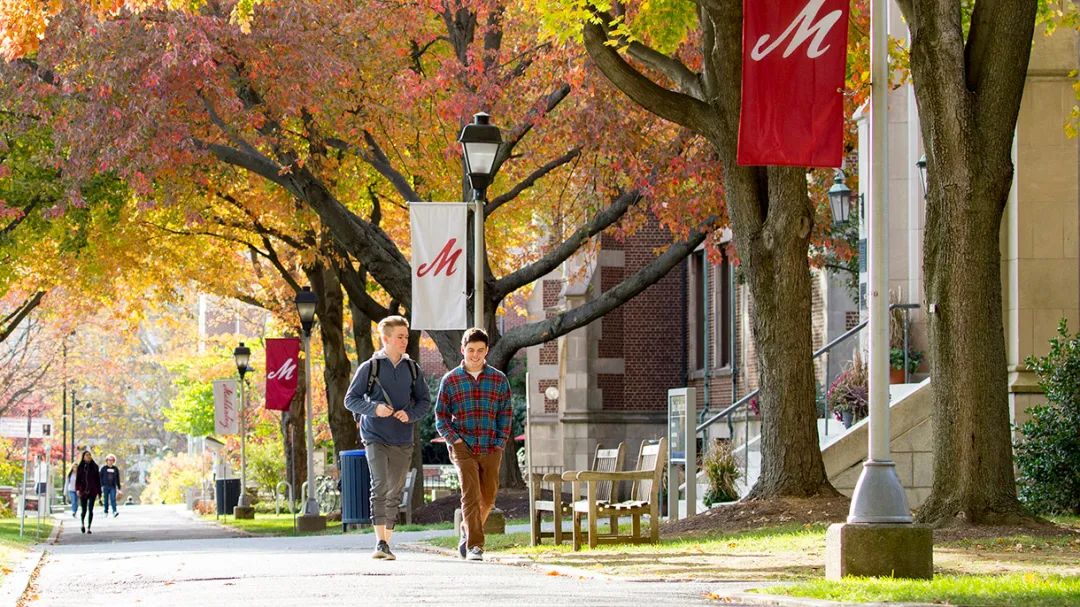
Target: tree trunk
[(968, 94), (778, 275), (336, 368)]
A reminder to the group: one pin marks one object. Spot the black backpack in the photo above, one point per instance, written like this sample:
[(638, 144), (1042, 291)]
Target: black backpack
[(373, 373)]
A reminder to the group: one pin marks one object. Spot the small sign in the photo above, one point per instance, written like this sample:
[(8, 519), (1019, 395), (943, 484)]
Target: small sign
[(15, 427)]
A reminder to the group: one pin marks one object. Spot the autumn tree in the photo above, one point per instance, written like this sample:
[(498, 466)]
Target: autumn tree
[(185, 91)]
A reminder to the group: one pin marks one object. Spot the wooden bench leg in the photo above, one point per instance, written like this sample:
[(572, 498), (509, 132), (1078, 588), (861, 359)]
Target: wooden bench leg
[(637, 525), (577, 532)]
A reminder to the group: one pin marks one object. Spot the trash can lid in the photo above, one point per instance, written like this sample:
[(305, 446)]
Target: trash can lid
[(353, 453)]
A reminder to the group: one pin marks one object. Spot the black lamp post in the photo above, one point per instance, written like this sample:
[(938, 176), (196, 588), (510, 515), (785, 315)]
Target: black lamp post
[(480, 144), (921, 163), (305, 307), (840, 199), (75, 402), (241, 355)]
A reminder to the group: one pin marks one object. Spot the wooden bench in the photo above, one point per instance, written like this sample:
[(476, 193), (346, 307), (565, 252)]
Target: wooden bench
[(644, 499), (405, 507), (604, 460)]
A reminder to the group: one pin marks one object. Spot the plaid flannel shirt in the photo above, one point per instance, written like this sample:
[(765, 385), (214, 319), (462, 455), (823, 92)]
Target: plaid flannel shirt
[(477, 411)]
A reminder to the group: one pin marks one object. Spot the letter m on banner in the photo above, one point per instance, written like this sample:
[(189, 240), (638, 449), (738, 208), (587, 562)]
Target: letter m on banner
[(282, 372), (794, 53), (438, 265)]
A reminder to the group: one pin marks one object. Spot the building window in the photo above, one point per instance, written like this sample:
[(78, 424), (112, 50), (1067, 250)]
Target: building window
[(723, 316), (697, 319)]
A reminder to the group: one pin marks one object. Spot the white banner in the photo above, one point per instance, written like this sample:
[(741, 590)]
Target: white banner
[(226, 407), (438, 265), (15, 427)]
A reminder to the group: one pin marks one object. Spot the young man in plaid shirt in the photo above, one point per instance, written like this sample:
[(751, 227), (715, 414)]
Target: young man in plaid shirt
[(473, 414)]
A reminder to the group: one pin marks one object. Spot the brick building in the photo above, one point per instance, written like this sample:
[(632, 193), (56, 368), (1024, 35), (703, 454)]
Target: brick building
[(613, 374)]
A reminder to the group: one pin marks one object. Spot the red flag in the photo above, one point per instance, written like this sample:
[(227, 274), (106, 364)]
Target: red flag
[(282, 375), (794, 54)]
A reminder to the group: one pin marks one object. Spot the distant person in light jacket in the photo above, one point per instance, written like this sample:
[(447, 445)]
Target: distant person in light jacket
[(110, 483), (69, 489)]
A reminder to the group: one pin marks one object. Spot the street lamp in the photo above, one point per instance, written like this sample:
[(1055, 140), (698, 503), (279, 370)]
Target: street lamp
[(241, 355), (75, 402), (840, 199), (305, 307), (921, 164), (480, 143)]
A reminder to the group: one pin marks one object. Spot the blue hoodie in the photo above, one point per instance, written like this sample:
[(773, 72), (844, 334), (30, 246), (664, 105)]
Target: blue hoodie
[(405, 394)]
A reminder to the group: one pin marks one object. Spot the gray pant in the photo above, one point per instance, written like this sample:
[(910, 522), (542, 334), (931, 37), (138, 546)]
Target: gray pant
[(388, 464)]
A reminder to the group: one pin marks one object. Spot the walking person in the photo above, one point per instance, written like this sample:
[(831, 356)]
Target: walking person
[(110, 483), (389, 394), (473, 413), (88, 488), (69, 489)]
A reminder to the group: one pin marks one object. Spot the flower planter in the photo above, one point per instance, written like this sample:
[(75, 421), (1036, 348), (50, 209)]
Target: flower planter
[(896, 376)]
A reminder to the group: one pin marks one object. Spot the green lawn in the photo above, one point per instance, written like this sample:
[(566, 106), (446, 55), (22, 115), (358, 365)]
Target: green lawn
[(13, 547), (1028, 589)]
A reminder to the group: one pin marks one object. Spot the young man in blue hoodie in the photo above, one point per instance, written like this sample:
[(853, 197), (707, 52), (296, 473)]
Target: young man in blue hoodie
[(389, 394)]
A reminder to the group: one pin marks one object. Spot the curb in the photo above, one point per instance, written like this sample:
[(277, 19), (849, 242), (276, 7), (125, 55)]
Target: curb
[(16, 582), (773, 600)]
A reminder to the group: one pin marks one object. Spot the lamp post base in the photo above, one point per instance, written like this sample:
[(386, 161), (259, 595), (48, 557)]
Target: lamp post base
[(879, 550), (244, 512), (307, 523)]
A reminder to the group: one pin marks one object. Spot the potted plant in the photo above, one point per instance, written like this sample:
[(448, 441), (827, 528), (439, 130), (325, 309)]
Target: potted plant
[(896, 363), (848, 395)]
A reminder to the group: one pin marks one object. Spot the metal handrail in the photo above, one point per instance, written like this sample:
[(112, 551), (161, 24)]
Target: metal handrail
[(730, 409), (277, 501)]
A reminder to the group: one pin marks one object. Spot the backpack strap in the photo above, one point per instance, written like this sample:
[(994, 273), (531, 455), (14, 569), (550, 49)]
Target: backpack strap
[(373, 374)]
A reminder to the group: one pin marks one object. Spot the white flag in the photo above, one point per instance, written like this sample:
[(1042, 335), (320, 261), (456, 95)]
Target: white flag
[(226, 407), (438, 265)]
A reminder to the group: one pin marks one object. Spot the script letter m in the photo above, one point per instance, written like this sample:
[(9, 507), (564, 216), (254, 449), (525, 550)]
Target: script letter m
[(446, 259), (800, 30)]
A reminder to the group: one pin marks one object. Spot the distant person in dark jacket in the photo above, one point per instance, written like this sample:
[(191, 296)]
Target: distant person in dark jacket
[(110, 483), (88, 488)]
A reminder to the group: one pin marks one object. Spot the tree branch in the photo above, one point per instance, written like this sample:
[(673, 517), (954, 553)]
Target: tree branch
[(688, 82), (675, 107), (529, 181), (539, 332), (534, 271), (376, 157), (12, 320)]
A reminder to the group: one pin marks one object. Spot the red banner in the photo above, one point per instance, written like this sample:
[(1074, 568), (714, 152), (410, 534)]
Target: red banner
[(282, 375), (794, 54)]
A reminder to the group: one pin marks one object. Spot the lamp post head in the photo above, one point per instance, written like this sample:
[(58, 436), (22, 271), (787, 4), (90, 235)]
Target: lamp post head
[(305, 307), (921, 164), (840, 199), (480, 143), (242, 354)]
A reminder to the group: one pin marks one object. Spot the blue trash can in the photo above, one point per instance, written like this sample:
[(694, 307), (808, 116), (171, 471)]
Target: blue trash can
[(355, 488)]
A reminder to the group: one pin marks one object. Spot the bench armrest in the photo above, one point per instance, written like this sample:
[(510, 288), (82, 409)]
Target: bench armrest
[(588, 475)]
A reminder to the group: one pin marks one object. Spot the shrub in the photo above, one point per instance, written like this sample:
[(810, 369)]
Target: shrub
[(896, 359), (1048, 454), (171, 475), (721, 470)]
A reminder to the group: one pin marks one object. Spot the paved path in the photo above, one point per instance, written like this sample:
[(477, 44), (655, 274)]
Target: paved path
[(137, 559)]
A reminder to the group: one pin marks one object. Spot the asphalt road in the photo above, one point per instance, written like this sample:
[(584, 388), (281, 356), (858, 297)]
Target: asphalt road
[(161, 556)]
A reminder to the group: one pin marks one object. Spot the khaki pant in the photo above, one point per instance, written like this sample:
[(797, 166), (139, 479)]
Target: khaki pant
[(479, 483), (389, 465)]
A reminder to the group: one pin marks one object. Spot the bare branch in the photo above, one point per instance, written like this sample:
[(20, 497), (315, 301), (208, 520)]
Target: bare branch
[(531, 180), (12, 320), (534, 271), (539, 332)]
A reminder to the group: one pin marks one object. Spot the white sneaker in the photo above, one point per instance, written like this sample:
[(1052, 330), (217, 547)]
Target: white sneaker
[(476, 553)]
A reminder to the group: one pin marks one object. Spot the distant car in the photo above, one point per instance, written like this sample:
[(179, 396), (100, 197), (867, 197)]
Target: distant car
[(129, 501)]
